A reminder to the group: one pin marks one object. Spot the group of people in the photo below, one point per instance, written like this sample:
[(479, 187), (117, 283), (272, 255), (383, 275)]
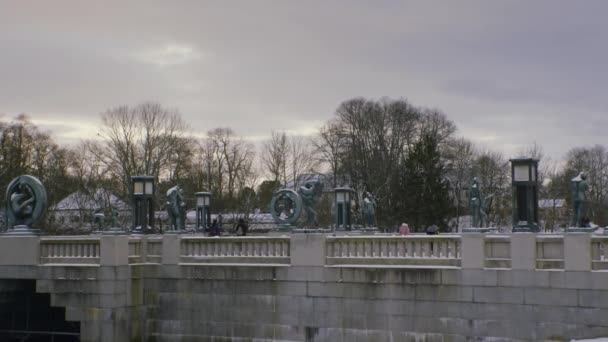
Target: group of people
[(240, 230), (404, 229)]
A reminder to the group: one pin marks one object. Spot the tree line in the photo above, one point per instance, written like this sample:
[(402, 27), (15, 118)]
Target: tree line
[(410, 158)]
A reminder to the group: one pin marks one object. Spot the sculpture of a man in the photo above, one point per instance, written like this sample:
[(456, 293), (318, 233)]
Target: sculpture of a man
[(114, 216), (176, 208), (99, 218), (369, 209), (579, 199), (476, 204), (310, 194)]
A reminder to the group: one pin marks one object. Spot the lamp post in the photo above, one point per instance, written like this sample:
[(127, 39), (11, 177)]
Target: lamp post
[(203, 214), (524, 178), (142, 201), (342, 200)]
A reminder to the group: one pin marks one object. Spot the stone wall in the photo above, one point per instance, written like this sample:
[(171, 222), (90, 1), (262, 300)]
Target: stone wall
[(310, 287), (360, 304)]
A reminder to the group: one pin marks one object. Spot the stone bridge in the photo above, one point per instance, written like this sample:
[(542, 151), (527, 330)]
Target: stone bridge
[(312, 287)]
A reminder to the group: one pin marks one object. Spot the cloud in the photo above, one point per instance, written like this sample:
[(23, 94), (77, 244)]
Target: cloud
[(169, 55), (508, 73)]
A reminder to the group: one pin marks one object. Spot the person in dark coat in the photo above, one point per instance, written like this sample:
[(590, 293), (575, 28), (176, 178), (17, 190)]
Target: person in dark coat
[(215, 228), (241, 228)]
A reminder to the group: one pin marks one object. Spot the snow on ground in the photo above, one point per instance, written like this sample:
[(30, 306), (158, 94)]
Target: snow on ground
[(603, 339)]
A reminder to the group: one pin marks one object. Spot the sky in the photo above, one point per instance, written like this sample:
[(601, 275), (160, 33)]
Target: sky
[(508, 73)]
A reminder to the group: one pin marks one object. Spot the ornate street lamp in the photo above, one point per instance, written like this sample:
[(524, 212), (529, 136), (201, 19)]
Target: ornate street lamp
[(342, 200), (524, 178), (203, 214), (142, 201)]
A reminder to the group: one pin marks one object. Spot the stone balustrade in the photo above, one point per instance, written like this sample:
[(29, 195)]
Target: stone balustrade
[(69, 250), (490, 251), (549, 252), (599, 252), (241, 250), (497, 251), (412, 250)]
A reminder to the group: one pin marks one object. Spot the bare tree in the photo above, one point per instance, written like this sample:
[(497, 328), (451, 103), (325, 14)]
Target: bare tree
[(139, 140), (331, 146), (460, 155), (301, 159), (274, 156), (493, 172)]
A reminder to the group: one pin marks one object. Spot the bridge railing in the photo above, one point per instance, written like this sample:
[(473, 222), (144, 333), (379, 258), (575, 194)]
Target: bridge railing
[(235, 250), (577, 251), (412, 250), (599, 252), (69, 250), (497, 251), (549, 252)]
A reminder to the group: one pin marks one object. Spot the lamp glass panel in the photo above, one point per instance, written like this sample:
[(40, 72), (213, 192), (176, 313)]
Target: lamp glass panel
[(521, 173), (200, 201), (533, 173), (207, 200), (138, 187), (340, 197), (149, 188), (347, 196)]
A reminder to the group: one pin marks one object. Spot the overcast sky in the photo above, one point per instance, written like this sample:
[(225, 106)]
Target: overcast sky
[(508, 73)]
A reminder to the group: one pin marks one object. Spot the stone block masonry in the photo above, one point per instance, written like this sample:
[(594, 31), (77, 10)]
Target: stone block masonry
[(304, 288)]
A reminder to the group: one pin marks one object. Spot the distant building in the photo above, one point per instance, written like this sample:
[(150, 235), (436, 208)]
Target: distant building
[(553, 213), (78, 207), (325, 178)]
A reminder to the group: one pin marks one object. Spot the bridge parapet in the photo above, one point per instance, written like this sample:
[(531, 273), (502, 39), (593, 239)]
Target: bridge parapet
[(523, 251), (512, 287)]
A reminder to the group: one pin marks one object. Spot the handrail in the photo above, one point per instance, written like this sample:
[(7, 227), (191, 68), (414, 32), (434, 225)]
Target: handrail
[(235, 250), (69, 250), (422, 250)]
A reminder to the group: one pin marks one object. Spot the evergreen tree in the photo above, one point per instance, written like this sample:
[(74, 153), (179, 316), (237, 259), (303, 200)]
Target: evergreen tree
[(424, 187)]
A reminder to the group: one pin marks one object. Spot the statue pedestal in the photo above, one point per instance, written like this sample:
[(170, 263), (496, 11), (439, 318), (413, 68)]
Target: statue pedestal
[(178, 231), (22, 230), (283, 228), (113, 231), (477, 230), (140, 230), (311, 230), (582, 230)]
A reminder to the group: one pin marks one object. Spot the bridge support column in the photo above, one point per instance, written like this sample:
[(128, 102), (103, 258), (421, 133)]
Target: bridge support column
[(307, 249), (523, 251), (472, 250), (104, 299), (577, 254)]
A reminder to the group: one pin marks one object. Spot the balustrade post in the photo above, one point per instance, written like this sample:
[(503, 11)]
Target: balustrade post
[(307, 249), (19, 250), (577, 252), (472, 251), (114, 250), (171, 249), (523, 251)]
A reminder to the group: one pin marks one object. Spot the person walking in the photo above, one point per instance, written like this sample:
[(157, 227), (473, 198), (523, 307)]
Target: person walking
[(215, 229), (404, 229), (241, 228)]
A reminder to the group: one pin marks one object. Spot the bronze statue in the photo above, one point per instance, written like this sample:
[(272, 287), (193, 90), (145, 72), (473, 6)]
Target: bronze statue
[(369, 210), (26, 201), (176, 208), (579, 200), (114, 216), (479, 217), (310, 193)]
